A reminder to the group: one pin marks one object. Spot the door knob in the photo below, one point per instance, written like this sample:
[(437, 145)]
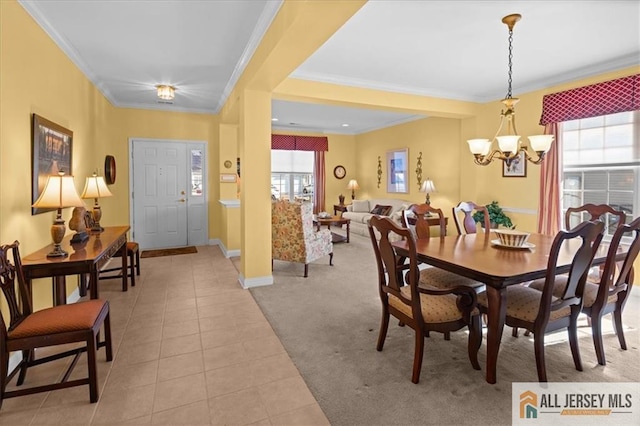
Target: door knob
[(182, 200), (182, 192)]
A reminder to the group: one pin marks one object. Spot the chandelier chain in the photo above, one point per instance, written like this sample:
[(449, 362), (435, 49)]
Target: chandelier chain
[(510, 63)]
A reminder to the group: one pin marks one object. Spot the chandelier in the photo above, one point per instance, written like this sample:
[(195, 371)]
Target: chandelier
[(509, 147)]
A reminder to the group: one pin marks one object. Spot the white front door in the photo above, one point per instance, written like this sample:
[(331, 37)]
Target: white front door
[(166, 179)]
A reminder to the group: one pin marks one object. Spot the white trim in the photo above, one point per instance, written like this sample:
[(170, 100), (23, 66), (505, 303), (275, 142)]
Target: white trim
[(230, 204), (255, 282), (227, 253), (269, 12), (521, 211)]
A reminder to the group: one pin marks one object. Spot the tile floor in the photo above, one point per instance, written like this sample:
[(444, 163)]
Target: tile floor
[(191, 347)]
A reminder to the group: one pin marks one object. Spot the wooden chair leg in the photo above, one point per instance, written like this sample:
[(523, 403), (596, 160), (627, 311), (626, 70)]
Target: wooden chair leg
[(417, 357), (475, 341), (384, 326), (447, 335), (573, 342), (331, 259), (617, 322), (596, 333), (107, 337), (538, 343), (92, 368), (138, 262), (306, 270), (132, 275), (27, 357)]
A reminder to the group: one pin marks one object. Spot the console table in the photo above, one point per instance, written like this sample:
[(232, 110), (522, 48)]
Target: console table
[(87, 257)]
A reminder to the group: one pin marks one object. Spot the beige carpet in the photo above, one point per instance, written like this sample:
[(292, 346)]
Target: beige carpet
[(329, 324), (168, 252)]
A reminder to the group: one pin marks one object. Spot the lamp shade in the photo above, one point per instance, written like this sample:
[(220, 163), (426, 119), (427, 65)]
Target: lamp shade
[(541, 142), (59, 191), (428, 186), (353, 184), (96, 187), (508, 143), (479, 146)]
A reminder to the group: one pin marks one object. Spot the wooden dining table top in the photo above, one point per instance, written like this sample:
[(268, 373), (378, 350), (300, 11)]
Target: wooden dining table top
[(477, 256)]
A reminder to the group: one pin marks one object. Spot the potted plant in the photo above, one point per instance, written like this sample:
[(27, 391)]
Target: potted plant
[(496, 216)]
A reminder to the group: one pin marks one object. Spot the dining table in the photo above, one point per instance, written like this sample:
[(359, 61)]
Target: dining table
[(481, 257)]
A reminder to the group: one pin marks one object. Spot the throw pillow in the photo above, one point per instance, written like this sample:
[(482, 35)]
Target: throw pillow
[(360, 206), (381, 210)]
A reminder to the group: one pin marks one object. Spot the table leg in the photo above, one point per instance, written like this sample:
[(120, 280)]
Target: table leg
[(497, 308), (348, 230), (93, 283), (59, 290)]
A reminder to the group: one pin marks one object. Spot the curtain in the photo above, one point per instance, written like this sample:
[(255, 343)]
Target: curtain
[(320, 178), (550, 207), (608, 97)]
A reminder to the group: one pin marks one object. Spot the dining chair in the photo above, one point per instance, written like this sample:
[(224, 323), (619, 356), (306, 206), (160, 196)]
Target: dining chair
[(434, 276), (463, 217), (611, 217), (133, 253), (572, 217), (610, 294), (540, 311), (421, 308), (59, 325)]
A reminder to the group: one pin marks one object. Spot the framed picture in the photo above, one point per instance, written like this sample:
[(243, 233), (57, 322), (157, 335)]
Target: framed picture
[(398, 170), (51, 147), (518, 167)]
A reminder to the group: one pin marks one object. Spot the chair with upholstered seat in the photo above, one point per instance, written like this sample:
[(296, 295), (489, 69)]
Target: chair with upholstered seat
[(27, 330), (426, 308), (293, 236), (463, 217), (610, 294), (540, 311)]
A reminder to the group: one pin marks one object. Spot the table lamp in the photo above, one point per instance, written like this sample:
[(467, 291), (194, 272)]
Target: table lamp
[(428, 187), (353, 185), (95, 187), (59, 192)]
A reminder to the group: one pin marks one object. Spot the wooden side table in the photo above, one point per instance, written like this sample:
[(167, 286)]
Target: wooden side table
[(337, 221), (339, 208)]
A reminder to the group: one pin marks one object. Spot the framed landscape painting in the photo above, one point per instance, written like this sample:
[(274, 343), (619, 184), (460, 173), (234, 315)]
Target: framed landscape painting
[(398, 170), (51, 147)]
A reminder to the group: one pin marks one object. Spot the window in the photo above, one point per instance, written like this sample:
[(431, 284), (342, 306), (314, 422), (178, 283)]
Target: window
[(292, 175), (601, 163)]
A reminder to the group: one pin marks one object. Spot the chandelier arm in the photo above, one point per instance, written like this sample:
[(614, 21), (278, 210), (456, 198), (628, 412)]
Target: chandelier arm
[(530, 158), (484, 160)]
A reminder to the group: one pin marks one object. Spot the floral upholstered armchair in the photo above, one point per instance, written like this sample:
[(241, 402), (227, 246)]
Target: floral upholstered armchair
[(293, 236)]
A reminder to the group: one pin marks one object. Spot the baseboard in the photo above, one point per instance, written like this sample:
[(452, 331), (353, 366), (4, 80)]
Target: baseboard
[(255, 282), (227, 253)]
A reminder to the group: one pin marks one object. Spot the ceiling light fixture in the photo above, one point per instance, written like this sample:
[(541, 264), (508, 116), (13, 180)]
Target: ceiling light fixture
[(166, 92), (509, 145)]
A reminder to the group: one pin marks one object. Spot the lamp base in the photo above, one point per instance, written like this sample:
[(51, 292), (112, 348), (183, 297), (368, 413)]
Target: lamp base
[(79, 237), (57, 252), (97, 228)]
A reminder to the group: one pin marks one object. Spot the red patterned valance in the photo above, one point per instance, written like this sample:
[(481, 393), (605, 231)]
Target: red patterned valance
[(300, 143), (609, 97)]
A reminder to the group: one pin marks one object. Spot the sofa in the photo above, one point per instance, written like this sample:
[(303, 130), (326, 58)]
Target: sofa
[(360, 211)]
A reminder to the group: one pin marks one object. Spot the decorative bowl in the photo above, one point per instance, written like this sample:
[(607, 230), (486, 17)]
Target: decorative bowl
[(511, 237)]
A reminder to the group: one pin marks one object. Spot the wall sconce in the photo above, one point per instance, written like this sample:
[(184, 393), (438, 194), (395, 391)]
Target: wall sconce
[(428, 186), (59, 192), (95, 187), (509, 145), (353, 185), (419, 168)]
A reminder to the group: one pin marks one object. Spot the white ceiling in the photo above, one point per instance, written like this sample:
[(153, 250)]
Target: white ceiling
[(448, 49)]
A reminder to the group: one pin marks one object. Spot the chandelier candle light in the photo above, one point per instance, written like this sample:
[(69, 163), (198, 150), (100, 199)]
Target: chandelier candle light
[(509, 144), (95, 187), (59, 192), (353, 185)]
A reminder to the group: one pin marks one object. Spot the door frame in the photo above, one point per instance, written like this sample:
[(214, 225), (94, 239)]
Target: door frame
[(201, 144)]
